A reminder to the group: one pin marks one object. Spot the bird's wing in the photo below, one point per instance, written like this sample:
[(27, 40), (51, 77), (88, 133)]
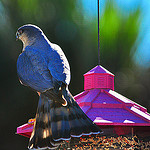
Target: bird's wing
[(33, 71), (58, 65)]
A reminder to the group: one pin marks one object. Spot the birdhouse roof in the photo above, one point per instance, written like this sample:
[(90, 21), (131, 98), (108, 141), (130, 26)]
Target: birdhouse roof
[(98, 69), (105, 106)]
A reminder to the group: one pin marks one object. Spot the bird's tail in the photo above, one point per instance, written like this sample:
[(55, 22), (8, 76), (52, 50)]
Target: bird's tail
[(56, 123)]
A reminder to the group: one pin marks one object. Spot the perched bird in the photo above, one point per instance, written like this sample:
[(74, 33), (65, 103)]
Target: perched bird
[(43, 67)]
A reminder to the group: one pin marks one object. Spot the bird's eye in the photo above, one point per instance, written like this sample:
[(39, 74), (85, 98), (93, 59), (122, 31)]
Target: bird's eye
[(19, 33)]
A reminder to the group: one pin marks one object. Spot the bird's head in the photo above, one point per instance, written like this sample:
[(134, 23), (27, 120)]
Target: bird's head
[(28, 33)]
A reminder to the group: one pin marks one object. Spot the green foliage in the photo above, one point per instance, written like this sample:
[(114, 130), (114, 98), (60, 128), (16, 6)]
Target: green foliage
[(118, 35)]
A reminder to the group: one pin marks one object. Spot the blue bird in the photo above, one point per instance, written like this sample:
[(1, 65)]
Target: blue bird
[(44, 67)]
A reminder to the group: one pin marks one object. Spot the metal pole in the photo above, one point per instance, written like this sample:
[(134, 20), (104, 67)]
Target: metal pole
[(98, 36)]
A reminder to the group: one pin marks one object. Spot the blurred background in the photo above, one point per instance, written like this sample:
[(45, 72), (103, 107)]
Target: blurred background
[(72, 24)]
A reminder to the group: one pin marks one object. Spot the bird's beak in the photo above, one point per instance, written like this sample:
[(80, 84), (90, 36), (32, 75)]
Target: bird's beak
[(17, 36)]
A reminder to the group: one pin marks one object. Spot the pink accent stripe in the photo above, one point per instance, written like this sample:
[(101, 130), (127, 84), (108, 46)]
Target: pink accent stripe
[(25, 128), (123, 124), (80, 95)]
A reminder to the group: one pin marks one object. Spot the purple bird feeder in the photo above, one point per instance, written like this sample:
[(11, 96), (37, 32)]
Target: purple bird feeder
[(114, 113)]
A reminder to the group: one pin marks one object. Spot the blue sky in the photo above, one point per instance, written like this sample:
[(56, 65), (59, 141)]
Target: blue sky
[(142, 55)]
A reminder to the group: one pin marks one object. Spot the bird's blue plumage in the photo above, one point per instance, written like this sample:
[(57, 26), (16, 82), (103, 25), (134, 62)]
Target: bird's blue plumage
[(40, 67), (33, 71), (43, 66)]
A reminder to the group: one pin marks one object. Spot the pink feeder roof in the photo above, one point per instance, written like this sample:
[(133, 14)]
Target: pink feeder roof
[(105, 106), (102, 104), (25, 130), (98, 69)]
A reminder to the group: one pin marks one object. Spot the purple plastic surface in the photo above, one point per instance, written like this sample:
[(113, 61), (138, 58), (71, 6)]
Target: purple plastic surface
[(105, 106)]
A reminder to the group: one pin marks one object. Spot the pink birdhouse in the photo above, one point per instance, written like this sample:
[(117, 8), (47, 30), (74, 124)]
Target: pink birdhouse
[(109, 109), (114, 113)]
